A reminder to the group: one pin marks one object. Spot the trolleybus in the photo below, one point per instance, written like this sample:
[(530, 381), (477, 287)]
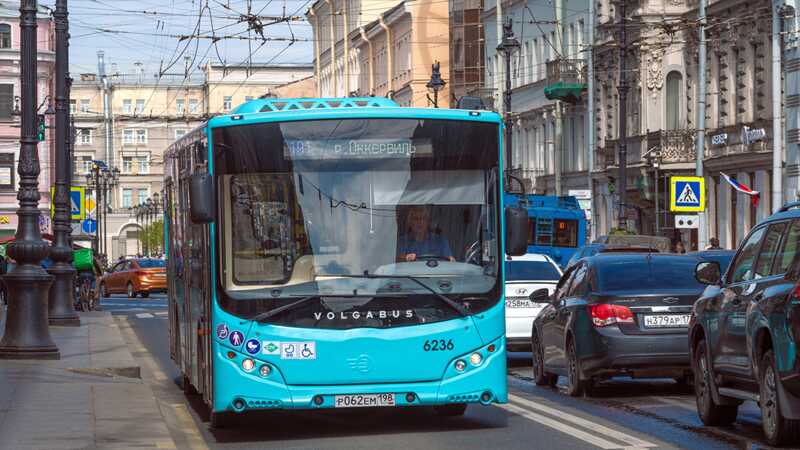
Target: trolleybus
[(334, 253)]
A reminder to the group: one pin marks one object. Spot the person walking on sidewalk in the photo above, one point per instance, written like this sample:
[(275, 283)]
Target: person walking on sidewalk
[(713, 244)]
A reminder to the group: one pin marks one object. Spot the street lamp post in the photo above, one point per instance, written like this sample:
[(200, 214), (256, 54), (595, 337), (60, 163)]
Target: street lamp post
[(149, 221), (27, 335), (104, 180), (435, 84), (507, 47), (61, 308)]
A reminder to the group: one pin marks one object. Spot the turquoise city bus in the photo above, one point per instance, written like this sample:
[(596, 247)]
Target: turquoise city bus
[(332, 253)]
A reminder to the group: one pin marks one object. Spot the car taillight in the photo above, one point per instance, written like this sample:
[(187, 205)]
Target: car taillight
[(604, 314)]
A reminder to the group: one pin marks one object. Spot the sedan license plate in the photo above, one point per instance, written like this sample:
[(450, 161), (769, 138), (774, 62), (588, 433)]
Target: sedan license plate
[(363, 400), (519, 303), (667, 321)]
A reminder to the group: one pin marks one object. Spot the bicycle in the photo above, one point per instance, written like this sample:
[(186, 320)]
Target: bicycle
[(86, 295)]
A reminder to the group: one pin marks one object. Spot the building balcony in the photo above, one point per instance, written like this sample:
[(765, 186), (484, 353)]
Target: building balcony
[(566, 80), (675, 146)]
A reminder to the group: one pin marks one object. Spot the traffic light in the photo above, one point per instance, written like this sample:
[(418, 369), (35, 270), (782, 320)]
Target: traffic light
[(40, 128)]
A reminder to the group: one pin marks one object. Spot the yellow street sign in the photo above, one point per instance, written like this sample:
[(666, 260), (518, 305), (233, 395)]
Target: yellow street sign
[(687, 194), (77, 198)]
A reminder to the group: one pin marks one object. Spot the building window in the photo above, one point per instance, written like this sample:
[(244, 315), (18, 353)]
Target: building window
[(84, 105), (85, 136), (673, 100), (142, 196), (193, 103), (126, 106), (127, 136), (141, 136), (143, 164), (139, 106), (179, 133), (73, 106), (5, 35), (7, 171), (180, 105), (227, 102), (6, 101), (127, 164), (127, 198), (248, 98), (84, 165)]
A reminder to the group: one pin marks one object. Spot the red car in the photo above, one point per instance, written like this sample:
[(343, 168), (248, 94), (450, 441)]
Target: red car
[(135, 276)]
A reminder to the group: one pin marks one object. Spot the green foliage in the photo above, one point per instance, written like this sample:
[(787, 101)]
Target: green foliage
[(153, 238)]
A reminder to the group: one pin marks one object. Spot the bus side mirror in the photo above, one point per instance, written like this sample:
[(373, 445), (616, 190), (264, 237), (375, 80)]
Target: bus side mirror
[(516, 231), (201, 198)]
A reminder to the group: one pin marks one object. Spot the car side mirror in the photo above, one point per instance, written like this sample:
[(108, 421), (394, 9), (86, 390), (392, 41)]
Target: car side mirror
[(540, 296), (201, 198), (516, 231), (708, 272)]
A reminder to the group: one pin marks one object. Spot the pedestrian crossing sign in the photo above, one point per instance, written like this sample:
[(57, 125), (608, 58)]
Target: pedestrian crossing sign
[(687, 194), (77, 198)]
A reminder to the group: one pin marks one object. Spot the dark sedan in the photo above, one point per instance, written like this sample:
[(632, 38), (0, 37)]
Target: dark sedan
[(614, 314)]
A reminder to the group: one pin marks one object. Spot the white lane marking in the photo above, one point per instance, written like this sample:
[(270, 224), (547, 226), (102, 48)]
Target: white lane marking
[(595, 427), (566, 429), (144, 316), (161, 313)]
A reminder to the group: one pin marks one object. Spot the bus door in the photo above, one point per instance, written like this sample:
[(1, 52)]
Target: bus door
[(169, 244)]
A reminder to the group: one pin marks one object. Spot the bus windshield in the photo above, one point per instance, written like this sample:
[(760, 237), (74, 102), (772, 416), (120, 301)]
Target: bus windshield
[(311, 207)]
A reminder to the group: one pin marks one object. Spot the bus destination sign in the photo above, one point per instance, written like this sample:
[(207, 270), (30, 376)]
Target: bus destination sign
[(353, 149)]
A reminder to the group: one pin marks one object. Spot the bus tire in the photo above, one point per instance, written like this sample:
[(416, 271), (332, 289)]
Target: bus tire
[(220, 420), (454, 410)]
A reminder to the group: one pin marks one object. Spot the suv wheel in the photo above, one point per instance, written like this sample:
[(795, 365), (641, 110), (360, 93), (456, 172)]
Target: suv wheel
[(777, 429), (540, 377), (575, 385), (710, 412)]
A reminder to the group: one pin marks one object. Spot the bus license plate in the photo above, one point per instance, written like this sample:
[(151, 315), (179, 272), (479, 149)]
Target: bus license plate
[(667, 321), (363, 400)]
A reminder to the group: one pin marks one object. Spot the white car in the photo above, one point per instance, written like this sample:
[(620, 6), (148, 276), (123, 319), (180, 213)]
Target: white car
[(524, 275)]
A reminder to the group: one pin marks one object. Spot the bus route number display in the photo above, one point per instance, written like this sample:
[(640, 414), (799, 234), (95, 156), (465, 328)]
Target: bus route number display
[(350, 149)]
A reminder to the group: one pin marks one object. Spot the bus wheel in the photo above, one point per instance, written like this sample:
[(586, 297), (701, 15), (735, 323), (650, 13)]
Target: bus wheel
[(453, 410), (220, 420)]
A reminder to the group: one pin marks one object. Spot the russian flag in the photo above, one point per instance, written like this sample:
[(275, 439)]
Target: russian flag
[(754, 195)]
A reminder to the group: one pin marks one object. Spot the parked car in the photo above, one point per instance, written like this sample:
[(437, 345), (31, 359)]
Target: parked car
[(613, 314), (525, 274), (660, 243), (593, 249), (135, 276), (745, 330), (723, 257)]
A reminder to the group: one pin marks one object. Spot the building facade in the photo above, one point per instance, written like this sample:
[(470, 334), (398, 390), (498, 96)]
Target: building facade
[(227, 86), (662, 116), (10, 122), (395, 54), (467, 48), (549, 147)]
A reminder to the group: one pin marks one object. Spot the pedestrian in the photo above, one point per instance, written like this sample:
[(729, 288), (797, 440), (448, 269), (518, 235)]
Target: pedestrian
[(679, 248), (713, 244)]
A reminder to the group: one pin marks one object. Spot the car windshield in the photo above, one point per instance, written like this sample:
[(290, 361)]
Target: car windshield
[(531, 271), (647, 274), (150, 263), (307, 204)]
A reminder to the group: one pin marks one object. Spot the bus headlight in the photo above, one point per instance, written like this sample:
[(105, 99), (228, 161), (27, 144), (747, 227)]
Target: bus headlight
[(476, 359), (248, 365), (264, 371), (461, 365)]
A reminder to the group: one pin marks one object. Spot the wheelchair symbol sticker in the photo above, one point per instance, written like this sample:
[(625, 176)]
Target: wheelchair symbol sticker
[(299, 350), (222, 331)]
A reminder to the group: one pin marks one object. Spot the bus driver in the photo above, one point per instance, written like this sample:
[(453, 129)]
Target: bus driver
[(419, 241)]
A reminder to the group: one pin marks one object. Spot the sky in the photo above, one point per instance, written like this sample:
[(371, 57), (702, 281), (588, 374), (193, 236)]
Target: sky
[(150, 32)]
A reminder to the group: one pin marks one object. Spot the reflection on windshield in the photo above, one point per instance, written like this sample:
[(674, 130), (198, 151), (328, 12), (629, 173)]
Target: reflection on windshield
[(390, 198)]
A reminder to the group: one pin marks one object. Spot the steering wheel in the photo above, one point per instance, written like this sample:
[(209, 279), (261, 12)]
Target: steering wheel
[(473, 252)]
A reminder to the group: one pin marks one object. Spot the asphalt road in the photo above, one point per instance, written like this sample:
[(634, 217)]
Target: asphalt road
[(622, 414)]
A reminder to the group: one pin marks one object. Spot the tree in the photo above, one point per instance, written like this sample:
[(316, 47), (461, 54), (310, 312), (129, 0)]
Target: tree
[(153, 238)]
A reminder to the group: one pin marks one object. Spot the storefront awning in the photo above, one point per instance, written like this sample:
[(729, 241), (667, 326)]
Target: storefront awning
[(567, 92)]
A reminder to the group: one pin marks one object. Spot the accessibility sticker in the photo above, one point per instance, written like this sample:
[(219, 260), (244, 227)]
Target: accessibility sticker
[(299, 350), (222, 331), (236, 338), (253, 346), (271, 348)]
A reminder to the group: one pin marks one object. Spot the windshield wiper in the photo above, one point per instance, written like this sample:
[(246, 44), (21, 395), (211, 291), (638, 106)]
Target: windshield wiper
[(275, 311), (459, 308)]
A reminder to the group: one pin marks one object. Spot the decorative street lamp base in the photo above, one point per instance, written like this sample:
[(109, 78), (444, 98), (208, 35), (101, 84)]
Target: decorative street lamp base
[(61, 298), (27, 334)]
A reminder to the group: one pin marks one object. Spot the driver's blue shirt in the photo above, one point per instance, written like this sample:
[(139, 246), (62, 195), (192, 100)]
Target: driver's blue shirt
[(434, 245)]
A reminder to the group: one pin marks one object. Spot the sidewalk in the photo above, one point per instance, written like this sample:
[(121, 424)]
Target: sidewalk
[(92, 398)]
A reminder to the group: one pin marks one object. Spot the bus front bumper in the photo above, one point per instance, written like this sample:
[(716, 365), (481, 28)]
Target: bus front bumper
[(239, 391)]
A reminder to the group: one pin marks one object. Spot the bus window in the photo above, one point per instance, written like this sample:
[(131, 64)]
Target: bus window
[(532, 231), (565, 233)]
